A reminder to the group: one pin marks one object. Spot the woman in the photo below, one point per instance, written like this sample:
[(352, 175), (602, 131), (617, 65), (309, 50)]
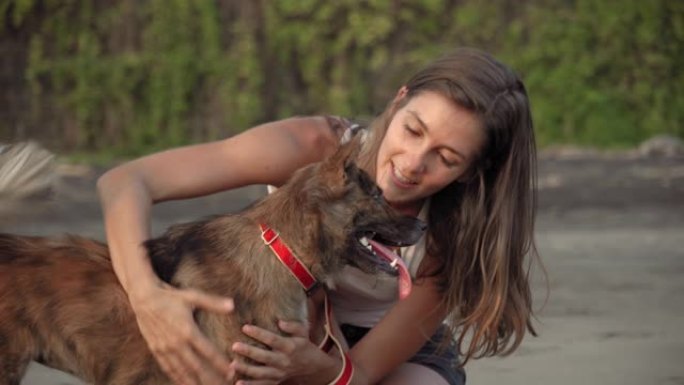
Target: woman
[(455, 146)]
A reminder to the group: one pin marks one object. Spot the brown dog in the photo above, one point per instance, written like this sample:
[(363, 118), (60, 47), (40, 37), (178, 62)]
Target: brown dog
[(61, 304)]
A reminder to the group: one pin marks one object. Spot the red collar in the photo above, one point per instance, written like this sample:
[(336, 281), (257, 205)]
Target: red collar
[(287, 257), (309, 284)]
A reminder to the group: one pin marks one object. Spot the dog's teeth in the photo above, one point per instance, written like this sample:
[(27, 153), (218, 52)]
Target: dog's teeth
[(364, 241), (394, 264)]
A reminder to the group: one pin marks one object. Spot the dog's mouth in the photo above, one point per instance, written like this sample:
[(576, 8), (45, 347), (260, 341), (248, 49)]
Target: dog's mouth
[(378, 251)]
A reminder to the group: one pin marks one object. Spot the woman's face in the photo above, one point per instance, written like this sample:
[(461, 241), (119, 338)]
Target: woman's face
[(429, 143)]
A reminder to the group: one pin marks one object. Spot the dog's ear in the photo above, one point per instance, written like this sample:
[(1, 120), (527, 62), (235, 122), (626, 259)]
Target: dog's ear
[(343, 159)]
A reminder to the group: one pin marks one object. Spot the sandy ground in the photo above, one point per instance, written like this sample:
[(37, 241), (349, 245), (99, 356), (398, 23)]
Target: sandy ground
[(609, 231)]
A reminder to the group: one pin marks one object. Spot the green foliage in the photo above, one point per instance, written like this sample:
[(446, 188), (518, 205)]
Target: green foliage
[(602, 73), (134, 76), (133, 89)]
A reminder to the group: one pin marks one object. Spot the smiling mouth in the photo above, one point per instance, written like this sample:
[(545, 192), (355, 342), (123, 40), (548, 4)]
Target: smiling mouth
[(401, 178)]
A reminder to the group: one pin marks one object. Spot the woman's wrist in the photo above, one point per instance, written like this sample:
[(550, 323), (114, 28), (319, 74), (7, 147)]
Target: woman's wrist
[(142, 289), (329, 367)]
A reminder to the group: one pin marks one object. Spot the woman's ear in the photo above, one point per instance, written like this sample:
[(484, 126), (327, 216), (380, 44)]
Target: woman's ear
[(401, 94), (398, 101)]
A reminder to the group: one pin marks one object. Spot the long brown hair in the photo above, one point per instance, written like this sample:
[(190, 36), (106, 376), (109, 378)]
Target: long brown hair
[(481, 229)]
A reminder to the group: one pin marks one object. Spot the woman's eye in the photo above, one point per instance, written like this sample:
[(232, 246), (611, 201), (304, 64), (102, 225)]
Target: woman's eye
[(411, 130), (448, 162)]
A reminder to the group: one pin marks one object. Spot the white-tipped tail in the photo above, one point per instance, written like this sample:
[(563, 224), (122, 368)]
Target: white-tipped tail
[(26, 169)]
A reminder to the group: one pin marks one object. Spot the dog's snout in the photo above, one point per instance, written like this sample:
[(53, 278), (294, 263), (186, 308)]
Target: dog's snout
[(415, 228), (416, 223)]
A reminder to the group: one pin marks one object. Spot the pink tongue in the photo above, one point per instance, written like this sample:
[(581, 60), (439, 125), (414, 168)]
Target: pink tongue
[(404, 277)]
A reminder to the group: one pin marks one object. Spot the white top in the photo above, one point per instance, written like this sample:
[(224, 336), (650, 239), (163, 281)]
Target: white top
[(363, 299)]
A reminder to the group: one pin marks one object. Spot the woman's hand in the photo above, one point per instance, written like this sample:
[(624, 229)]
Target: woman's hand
[(290, 356), (165, 318)]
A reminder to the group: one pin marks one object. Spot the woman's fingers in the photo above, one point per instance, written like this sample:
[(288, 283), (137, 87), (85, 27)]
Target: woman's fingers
[(190, 368), (275, 341), (262, 356), (177, 371), (257, 382), (208, 302), (199, 344), (178, 360), (190, 362), (197, 340), (298, 329), (169, 369), (285, 356), (213, 377), (183, 352), (264, 373), (209, 352)]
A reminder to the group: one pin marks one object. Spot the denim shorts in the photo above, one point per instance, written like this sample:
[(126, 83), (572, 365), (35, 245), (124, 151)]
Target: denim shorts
[(442, 358)]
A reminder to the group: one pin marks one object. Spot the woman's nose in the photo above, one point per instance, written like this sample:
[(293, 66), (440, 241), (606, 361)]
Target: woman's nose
[(415, 162)]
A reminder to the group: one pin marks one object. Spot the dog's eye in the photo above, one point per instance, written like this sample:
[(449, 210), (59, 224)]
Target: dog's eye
[(367, 184)]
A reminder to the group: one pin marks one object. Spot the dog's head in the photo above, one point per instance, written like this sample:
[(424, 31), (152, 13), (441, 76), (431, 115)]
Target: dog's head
[(348, 219)]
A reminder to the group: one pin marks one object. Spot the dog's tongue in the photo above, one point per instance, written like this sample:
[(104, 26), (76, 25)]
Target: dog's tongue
[(395, 260)]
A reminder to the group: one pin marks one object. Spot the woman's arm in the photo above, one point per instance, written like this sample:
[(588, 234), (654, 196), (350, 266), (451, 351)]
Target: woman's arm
[(400, 334), (265, 154), (395, 339)]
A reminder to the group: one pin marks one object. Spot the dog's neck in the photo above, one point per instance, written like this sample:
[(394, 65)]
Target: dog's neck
[(300, 229)]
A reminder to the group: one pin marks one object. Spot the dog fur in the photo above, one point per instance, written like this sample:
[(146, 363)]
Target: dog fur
[(61, 304)]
